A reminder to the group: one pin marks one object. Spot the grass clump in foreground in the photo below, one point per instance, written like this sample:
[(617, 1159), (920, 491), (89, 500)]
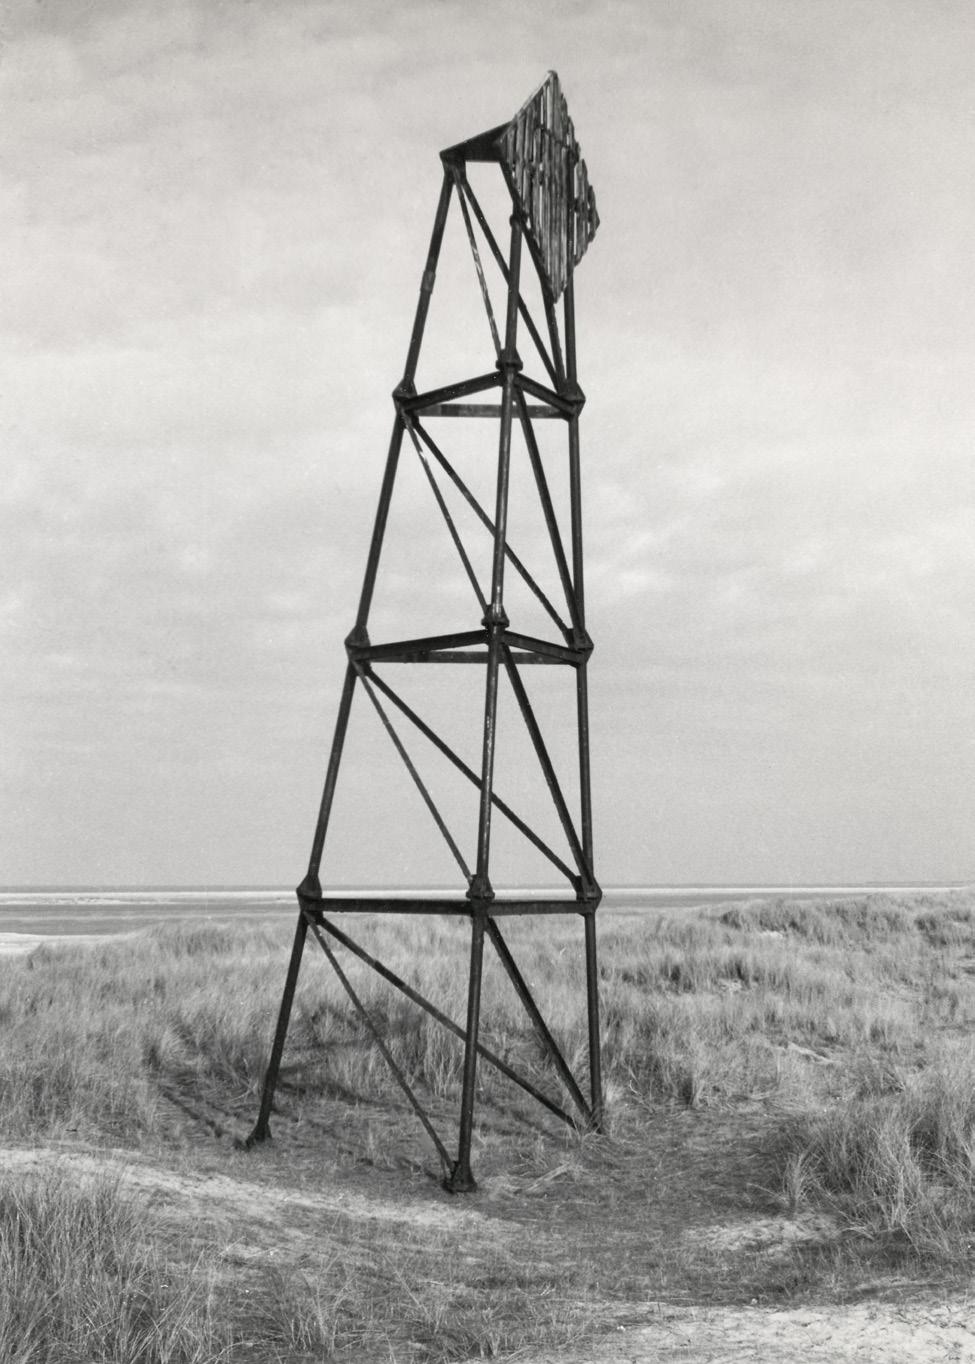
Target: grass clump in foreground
[(78, 1282), (775, 1054), (895, 1159)]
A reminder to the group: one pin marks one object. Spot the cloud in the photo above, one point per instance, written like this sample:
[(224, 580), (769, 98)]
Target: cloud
[(214, 225)]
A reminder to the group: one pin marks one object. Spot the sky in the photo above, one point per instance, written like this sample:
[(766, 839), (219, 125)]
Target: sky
[(214, 216)]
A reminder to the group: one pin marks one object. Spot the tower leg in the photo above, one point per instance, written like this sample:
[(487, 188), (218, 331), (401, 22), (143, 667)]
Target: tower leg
[(262, 1128), (495, 620), (592, 1000), (461, 1179), (582, 711)]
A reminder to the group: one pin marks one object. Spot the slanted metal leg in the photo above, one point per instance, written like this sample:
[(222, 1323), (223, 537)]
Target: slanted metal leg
[(461, 1179), (592, 996), (262, 1128)]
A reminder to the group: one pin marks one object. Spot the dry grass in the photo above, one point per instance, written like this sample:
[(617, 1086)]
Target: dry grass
[(834, 1038), (895, 1158), (78, 1282)]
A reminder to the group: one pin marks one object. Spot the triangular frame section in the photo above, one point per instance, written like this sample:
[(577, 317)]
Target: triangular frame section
[(553, 213)]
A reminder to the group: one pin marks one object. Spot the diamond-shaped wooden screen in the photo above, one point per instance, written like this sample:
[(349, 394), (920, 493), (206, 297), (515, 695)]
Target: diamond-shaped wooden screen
[(549, 180)]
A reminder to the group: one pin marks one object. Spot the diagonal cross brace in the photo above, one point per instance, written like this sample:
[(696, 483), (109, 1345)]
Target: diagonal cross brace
[(551, 779), (411, 768), (487, 522), (387, 1055), (472, 777), (538, 1022), (556, 369), (319, 921)]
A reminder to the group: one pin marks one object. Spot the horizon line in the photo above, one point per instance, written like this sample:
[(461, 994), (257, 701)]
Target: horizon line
[(401, 888)]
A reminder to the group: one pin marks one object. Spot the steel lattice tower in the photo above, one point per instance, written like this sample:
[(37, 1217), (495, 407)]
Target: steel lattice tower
[(553, 216)]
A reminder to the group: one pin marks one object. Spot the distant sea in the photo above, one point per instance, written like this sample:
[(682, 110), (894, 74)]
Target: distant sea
[(31, 913)]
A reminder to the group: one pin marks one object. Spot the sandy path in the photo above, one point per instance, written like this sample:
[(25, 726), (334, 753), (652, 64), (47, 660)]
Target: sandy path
[(874, 1333), (197, 1193), (263, 1219)]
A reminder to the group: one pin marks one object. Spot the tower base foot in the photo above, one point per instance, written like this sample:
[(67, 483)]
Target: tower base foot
[(262, 1132), (460, 1179)]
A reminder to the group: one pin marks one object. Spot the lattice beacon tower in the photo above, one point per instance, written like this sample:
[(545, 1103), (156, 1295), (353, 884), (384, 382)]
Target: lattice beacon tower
[(553, 215)]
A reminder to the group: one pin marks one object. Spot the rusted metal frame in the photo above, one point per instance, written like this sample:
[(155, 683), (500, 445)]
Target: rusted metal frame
[(435, 656), (526, 317), (495, 620), (538, 1022), (486, 521), (485, 295), (404, 389), (374, 653), (579, 593), (555, 340), (310, 884), (592, 1010), (526, 158), (382, 514), (555, 365), (558, 653), (582, 706), (451, 527), (262, 1128), (559, 155), (461, 1179), (417, 402), (427, 283), (575, 480), (358, 635), (387, 1055), (485, 410), (472, 777), (309, 892), (534, 249), (405, 653), (483, 147), (431, 904), (548, 510), (565, 403), (585, 796), (466, 656), (542, 163), (414, 995), (548, 771), (411, 768)]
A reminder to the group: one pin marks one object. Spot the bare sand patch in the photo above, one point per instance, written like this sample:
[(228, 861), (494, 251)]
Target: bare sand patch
[(194, 1193), (263, 1221), (870, 1333), (771, 1235), (20, 944)]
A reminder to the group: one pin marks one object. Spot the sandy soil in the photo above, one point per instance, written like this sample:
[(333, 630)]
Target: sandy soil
[(867, 1334), (20, 944), (255, 1218)]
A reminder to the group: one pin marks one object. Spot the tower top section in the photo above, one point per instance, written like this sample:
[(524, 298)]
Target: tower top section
[(549, 183)]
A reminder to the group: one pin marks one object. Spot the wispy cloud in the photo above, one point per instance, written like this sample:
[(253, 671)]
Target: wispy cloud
[(213, 230)]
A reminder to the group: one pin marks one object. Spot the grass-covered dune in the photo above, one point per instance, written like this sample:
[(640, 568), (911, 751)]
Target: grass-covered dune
[(790, 1100)]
